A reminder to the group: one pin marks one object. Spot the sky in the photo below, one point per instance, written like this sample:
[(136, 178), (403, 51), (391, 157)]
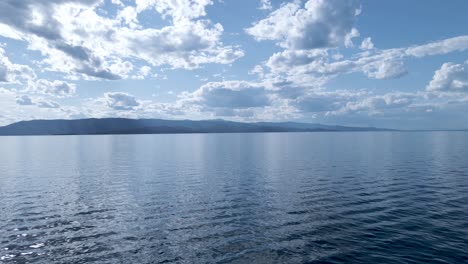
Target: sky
[(391, 64)]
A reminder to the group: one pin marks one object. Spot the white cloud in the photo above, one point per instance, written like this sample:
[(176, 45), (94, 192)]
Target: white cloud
[(129, 16), (76, 40), (229, 94), (439, 47), (257, 70), (142, 73), (319, 24), (307, 66), (15, 108), (13, 73), (378, 104), (385, 69), (282, 61), (120, 101), (180, 10), (265, 5), (323, 102), (54, 88), (450, 77), (47, 104), (367, 44), (24, 100)]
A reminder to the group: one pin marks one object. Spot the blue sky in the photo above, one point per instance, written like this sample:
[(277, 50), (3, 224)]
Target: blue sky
[(396, 64)]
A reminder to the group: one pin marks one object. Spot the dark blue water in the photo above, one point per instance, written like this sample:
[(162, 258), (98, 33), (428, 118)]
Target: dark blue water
[(235, 198)]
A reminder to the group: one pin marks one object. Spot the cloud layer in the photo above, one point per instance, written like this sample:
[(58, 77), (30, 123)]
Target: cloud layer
[(308, 60)]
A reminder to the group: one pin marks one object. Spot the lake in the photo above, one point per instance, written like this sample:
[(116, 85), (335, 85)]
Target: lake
[(362, 197)]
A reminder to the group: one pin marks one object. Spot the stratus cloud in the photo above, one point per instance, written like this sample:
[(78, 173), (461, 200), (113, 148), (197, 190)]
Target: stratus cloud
[(450, 77), (76, 40), (439, 47), (120, 101), (319, 24)]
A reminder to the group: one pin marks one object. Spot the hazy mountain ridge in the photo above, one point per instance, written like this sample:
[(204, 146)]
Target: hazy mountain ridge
[(93, 126)]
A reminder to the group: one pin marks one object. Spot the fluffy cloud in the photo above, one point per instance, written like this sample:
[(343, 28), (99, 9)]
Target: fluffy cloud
[(39, 102), (367, 44), (180, 10), (385, 69), (319, 24), (379, 103), (284, 60), (76, 40), (24, 100), (265, 5), (13, 73), (230, 94), (299, 65), (316, 66), (142, 73), (450, 77), (120, 101), (54, 88)]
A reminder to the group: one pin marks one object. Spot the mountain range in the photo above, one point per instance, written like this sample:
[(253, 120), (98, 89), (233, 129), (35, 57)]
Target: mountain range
[(93, 126)]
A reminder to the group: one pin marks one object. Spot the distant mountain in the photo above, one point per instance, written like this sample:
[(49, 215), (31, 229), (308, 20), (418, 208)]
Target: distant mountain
[(95, 126)]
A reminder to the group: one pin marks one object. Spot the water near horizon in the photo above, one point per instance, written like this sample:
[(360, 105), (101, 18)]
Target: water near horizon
[(368, 197)]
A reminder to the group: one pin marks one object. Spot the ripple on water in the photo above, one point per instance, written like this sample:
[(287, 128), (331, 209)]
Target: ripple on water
[(260, 198)]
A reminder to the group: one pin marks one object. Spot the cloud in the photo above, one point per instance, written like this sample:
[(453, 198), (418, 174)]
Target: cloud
[(265, 5), (319, 24), (257, 70), (142, 73), (450, 77), (54, 88), (302, 67), (13, 73), (181, 10), (47, 104), (120, 101), (377, 104), (39, 102), (282, 61), (439, 47), (24, 100), (75, 39), (367, 44), (181, 46), (322, 101), (230, 94), (3, 73), (385, 69)]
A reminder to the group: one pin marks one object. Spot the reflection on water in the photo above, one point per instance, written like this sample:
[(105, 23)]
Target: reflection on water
[(235, 198)]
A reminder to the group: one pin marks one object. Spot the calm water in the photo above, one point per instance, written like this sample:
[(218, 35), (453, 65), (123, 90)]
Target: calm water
[(235, 198)]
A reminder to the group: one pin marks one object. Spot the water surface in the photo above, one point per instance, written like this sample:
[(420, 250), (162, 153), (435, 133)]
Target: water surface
[(377, 197)]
